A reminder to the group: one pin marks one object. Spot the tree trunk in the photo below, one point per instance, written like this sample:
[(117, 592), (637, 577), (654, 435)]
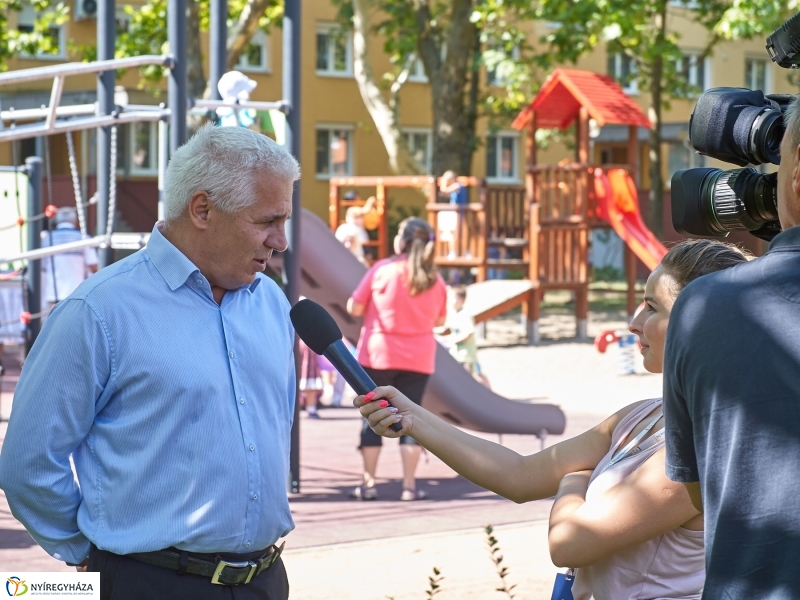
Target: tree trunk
[(194, 55), (656, 157), (453, 128), (472, 107), (383, 115), (245, 29)]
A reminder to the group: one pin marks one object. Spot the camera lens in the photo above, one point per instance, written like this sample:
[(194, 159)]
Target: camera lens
[(738, 126), (712, 202), (765, 137)]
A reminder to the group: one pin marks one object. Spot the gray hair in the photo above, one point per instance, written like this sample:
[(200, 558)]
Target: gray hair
[(66, 214), (792, 120), (222, 161)]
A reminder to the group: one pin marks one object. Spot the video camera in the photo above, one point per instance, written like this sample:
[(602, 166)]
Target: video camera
[(743, 127)]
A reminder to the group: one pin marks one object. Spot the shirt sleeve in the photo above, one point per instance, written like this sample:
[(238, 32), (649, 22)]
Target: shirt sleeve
[(678, 425), (60, 391), (291, 377), (363, 292)]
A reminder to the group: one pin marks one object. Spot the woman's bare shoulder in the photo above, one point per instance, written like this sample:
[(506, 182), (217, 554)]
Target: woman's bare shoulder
[(611, 423)]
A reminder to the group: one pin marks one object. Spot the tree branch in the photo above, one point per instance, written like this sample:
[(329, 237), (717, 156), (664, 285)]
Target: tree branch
[(384, 117), (245, 29), (397, 85), (430, 50)]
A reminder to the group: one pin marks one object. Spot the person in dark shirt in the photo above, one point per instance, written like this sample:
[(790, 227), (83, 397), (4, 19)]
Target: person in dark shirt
[(732, 406)]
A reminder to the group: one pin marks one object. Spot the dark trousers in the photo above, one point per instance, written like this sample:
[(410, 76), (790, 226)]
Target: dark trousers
[(123, 578), (410, 383)]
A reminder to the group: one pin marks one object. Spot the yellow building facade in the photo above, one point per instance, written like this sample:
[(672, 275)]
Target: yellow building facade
[(338, 136)]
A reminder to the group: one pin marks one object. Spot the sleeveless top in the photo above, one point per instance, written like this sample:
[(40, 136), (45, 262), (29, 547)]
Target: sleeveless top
[(669, 566)]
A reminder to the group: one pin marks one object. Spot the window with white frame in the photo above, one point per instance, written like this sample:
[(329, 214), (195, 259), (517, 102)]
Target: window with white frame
[(695, 68), (122, 18), (255, 56), (54, 38), (142, 148), (334, 51), (502, 157), (756, 74), (417, 71), (623, 68), (334, 150), (498, 74), (420, 144)]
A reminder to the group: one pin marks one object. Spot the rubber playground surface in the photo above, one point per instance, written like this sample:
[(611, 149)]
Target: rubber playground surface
[(344, 548)]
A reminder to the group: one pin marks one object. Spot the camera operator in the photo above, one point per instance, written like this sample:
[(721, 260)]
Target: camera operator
[(732, 405)]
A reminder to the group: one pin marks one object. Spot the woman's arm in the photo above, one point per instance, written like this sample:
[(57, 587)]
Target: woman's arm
[(487, 464), (644, 505), (355, 308)]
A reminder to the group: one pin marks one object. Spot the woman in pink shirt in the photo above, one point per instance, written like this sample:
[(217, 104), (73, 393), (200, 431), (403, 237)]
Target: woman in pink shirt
[(402, 299)]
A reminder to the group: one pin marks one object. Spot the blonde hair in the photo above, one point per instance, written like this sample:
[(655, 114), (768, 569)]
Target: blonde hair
[(417, 243), (691, 259)]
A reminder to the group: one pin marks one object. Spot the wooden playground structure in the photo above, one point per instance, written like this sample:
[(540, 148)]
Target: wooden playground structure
[(546, 224)]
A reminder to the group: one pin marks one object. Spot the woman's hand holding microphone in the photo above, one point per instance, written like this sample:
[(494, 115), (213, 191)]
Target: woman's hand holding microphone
[(385, 406)]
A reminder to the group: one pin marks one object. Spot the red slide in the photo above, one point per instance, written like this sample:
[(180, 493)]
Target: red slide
[(617, 203)]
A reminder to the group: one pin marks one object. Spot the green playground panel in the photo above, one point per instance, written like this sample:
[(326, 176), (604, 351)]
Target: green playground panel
[(13, 204)]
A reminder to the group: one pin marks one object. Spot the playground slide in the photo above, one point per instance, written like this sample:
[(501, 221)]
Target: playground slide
[(617, 202), (330, 273)]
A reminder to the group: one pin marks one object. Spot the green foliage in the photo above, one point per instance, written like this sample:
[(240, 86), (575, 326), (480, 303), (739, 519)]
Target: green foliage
[(434, 583), (497, 559), (607, 273), (637, 29), (146, 33), (41, 39), (503, 47)]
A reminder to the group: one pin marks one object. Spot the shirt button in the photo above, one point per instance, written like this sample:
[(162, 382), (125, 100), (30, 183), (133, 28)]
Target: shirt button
[(230, 354), (241, 400), (247, 544), (255, 496), (252, 447)]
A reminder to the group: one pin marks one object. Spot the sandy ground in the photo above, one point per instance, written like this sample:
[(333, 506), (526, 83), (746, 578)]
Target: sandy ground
[(342, 548)]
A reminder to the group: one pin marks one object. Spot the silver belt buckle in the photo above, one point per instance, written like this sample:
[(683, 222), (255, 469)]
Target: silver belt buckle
[(237, 565)]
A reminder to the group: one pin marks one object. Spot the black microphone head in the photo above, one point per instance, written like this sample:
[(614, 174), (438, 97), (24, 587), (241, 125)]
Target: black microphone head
[(314, 325)]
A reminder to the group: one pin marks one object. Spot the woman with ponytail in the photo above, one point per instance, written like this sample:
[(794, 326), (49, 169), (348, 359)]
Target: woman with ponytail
[(402, 299)]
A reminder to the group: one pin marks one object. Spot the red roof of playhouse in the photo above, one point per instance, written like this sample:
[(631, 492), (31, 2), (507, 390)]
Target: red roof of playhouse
[(563, 93)]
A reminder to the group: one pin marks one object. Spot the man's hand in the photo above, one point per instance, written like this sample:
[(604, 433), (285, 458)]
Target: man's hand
[(81, 566)]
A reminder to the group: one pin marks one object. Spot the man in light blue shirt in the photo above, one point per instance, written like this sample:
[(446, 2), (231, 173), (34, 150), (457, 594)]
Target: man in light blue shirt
[(169, 379)]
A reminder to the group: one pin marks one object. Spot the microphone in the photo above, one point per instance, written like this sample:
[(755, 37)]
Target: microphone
[(316, 327)]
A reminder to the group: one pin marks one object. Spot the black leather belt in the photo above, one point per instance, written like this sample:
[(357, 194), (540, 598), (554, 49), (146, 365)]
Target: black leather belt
[(221, 572)]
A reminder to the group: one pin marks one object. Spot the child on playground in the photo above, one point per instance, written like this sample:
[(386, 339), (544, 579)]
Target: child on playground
[(352, 233), (461, 339), (448, 221)]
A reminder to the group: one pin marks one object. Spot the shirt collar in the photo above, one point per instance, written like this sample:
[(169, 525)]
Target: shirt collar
[(786, 239), (174, 266)]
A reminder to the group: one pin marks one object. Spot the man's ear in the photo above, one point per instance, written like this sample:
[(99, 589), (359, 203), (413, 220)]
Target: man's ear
[(199, 208)]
